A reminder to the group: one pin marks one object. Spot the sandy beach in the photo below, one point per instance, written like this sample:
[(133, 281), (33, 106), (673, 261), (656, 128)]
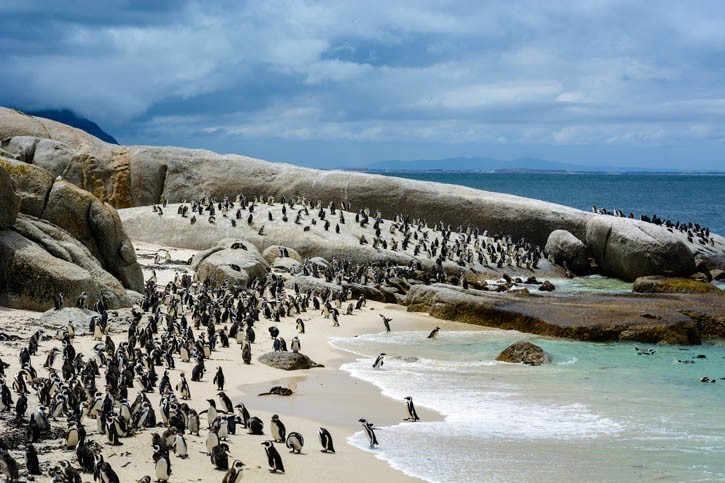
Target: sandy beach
[(323, 397)]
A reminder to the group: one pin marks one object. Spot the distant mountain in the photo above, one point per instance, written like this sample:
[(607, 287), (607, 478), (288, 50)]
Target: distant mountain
[(490, 164), (66, 116)]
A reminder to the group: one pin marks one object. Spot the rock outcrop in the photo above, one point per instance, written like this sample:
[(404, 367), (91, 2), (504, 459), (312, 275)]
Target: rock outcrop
[(288, 361), (93, 223), (566, 249), (666, 319), (38, 260), (228, 263), (524, 353), (9, 202), (128, 176), (628, 249), (660, 284)]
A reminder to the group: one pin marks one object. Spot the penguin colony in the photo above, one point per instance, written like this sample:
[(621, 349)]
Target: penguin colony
[(104, 394)]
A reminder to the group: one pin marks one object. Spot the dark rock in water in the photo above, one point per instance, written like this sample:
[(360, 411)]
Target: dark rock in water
[(279, 391), (524, 353), (288, 361), (566, 249), (547, 286), (659, 284)]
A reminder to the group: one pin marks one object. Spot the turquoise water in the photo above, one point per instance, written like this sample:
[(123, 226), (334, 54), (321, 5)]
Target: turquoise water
[(598, 413), (687, 198)]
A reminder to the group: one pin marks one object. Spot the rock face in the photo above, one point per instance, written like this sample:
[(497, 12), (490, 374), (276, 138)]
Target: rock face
[(628, 249), (236, 266), (288, 361), (565, 248), (524, 353), (666, 319), (273, 252), (93, 223), (659, 284), (127, 176), (9, 202), (38, 260)]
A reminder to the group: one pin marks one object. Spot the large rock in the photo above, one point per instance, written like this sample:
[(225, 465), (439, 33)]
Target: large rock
[(565, 248), (629, 249), (665, 319), (32, 185), (288, 361), (524, 353), (273, 252), (39, 260), (237, 266), (660, 284), (9, 202)]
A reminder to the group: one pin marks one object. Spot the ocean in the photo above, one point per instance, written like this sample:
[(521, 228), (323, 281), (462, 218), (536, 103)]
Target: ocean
[(686, 198), (599, 413)]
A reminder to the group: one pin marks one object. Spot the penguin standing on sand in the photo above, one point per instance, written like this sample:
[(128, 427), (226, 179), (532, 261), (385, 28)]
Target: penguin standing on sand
[(434, 333), (369, 431), (412, 414), (183, 387), (31, 460), (226, 402), (296, 346), (181, 449), (379, 361), (273, 458), (162, 465), (300, 326), (326, 441), (279, 432), (219, 379), (295, 442)]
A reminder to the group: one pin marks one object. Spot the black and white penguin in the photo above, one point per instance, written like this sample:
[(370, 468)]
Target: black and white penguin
[(211, 412), (86, 458), (295, 345), (234, 475), (412, 414), (226, 402), (183, 387), (273, 458), (244, 414), (162, 466), (369, 431), (326, 441), (219, 379), (104, 471), (255, 425), (379, 361), (300, 324), (279, 432), (181, 449), (295, 442), (434, 333), (212, 440)]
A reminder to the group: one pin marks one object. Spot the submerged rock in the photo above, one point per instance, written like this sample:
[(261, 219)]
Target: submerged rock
[(524, 353), (659, 284)]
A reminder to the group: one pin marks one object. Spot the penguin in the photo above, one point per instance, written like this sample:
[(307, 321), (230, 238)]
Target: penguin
[(193, 422), (255, 425), (386, 321), (273, 458), (326, 441), (219, 379), (279, 432), (162, 466), (183, 387), (220, 456), (412, 414), (300, 324), (72, 436), (31, 460), (104, 472), (295, 345), (69, 473), (86, 458), (212, 440), (226, 402), (9, 466), (434, 333), (234, 475), (211, 412), (112, 433), (180, 447), (244, 413), (379, 361), (369, 431), (246, 353), (295, 442), (58, 301)]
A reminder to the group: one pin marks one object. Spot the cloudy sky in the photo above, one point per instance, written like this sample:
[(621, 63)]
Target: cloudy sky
[(344, 82)]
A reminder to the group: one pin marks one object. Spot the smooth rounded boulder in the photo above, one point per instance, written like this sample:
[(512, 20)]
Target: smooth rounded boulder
[(629, 249), (524, 353), (565, 249), (229, 263)]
